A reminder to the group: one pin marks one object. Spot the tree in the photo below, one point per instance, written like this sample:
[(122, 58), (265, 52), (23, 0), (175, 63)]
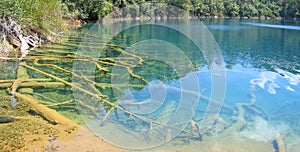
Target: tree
[(248, 10), (290, 8), (220, 7), (231, 8), (261, 9), (89, 10)]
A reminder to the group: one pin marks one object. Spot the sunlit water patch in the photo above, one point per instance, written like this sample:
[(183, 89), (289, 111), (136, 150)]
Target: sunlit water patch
[(227, 27), (273, 25)]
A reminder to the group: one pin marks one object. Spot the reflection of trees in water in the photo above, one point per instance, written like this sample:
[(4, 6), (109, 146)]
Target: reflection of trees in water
[(260, 47)]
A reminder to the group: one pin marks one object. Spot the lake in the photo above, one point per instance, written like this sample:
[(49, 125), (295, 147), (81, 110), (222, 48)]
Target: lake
[(191, 85)]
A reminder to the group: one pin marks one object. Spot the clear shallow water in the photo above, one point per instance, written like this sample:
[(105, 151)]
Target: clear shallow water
[(262, 63), (261, 60)]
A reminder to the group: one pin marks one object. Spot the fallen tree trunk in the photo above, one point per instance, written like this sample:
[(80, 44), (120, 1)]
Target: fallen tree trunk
[(35, 84), (37, 107), (280, 143), (50, 115), (8, 119)]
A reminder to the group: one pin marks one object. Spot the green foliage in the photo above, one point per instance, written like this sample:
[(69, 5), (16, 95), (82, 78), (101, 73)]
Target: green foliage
[(47, 14), (291, 8), (248, 10), (231, 8), (41, 15), (91, 10), (9, 8)]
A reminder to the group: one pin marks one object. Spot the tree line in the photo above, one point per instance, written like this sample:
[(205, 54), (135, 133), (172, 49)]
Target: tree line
[(45, 13), (46, 17), (91, 10)]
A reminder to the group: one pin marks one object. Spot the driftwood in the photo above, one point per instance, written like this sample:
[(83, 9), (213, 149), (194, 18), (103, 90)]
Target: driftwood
[(11, 31)]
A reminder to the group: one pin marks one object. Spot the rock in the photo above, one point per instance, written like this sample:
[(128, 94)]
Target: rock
[(5, 49)]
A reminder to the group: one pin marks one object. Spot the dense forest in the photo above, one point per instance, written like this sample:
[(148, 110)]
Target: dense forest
[(47, 17), (92, 9)]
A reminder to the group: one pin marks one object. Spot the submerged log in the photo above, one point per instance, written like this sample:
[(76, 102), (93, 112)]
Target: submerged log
[(15, 86), (36, 84), (37, 107), (194, 126), (50, 115), (7, 119), (280, 143)]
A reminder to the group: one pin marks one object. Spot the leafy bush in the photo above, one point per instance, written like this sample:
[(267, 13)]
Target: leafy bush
[(42, 16), (88, 10)]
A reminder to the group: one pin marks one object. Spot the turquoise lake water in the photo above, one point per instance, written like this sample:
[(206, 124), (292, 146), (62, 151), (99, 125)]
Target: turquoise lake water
[(209, 85), (261, 63)]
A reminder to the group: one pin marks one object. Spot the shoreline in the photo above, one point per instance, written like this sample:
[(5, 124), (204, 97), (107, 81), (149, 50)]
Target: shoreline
[(159, 18)]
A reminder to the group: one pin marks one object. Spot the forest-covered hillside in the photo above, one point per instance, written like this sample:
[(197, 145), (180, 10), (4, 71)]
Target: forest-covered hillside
[(92, 9), (39, 19)]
